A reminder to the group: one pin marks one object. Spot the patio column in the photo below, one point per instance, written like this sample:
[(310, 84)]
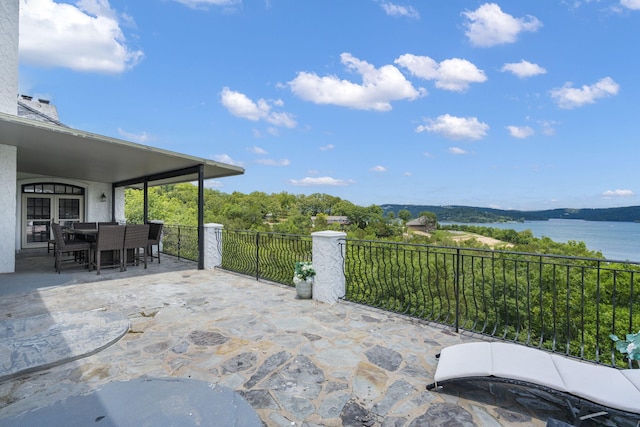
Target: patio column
[(8, 227), (212, 246), (328, 261)]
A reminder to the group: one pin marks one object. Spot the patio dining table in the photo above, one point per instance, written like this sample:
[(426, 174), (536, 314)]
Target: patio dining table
[(88, 234)]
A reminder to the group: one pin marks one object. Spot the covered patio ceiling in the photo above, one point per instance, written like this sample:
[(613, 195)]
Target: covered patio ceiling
[(58, 151)]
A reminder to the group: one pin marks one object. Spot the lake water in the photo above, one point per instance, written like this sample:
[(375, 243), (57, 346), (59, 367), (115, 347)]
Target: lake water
[(615, 240)]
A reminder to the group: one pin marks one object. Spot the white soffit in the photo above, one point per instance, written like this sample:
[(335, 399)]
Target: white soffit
[(63, 152)]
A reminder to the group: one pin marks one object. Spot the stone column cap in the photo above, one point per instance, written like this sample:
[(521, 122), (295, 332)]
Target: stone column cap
[(329, 233)]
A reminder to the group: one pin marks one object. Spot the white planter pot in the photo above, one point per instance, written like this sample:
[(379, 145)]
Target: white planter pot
[(304, 289)]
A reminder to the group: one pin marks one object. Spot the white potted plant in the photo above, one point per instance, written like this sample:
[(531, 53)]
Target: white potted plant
[(303, 279)]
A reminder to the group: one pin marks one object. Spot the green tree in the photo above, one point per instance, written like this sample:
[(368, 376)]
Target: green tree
[(404, 215), (320, 222)]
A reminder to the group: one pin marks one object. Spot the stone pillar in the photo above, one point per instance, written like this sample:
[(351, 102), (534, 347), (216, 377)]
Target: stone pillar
[(8, 200), (328, 261), (9, 20), (212, 246)]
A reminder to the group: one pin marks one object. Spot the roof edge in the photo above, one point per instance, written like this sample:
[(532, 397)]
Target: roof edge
[(10, 118)]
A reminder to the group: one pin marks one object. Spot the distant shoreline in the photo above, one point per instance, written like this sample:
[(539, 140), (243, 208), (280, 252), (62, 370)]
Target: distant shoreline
[(470, 214), (616, 240)]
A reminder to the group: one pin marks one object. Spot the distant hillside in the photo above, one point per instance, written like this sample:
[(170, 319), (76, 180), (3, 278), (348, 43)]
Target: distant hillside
[(476, 214)]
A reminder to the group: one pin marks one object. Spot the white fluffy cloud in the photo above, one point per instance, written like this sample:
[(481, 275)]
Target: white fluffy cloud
[(631, 4), (195, 4), (84, 37), (457, 151), (520, 132), (489, 26), (225, 158), (378, 169), (523, 69), (257, 150), (455, 128), (568, 97), (211, 183), (392, 9), (272, 162), (321, 180), (618, 193), (241, 106), (379, 87), (451, 74), (142, 137)]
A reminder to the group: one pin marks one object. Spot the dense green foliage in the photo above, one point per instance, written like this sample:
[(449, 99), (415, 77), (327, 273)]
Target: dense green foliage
[(281, 212), (291, 214)]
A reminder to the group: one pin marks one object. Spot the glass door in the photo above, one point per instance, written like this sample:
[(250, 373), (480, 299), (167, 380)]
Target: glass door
[(37, 221), (69, 210), (41, 210)]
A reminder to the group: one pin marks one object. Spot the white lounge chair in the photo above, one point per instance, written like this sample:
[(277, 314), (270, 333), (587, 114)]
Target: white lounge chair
[(590, 390)]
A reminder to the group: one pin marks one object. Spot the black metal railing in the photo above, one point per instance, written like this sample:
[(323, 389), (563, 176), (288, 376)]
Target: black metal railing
[(269, 256), (180, 241), (567, 305)]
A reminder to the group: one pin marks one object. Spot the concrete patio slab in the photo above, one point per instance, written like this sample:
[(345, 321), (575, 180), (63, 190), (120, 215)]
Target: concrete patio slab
[(34, 343), (296, 362), (146, 402)]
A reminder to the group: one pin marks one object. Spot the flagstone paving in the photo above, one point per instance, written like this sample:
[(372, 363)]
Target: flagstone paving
[(296, 362)]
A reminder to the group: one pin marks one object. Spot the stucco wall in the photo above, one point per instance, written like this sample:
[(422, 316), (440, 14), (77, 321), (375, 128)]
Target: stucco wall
[(9, 18), (119, 204), (8, 164)]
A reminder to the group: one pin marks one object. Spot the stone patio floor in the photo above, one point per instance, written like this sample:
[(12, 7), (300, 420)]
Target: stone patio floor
[(296, 362)]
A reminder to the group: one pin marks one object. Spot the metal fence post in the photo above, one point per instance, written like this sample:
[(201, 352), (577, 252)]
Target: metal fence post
[(456, 285), (257, 256)]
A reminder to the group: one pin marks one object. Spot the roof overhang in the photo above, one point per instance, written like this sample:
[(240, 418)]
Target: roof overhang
[(58, 151)]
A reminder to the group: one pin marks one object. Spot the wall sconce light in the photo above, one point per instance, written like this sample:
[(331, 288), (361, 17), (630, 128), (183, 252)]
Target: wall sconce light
[(103, 198)]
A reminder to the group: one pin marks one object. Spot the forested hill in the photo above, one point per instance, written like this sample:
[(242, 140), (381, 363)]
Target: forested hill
[(476, 214)]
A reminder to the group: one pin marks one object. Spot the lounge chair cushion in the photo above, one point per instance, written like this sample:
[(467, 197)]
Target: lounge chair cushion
[(601, 384), (633, 375), (473, 361), (604, 385)]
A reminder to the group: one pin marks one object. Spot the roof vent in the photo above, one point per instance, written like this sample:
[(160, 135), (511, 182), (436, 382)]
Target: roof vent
[(43, 101), (27, 97)]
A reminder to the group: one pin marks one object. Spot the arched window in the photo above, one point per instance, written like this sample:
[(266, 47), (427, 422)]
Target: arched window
[(48, 188)]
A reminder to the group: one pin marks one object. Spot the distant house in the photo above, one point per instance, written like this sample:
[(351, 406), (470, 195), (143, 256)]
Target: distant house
[(422, 224), (334, 219)]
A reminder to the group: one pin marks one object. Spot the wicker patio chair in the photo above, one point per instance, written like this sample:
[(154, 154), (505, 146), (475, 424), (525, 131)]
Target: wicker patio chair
[(110, 239), (135, 238), (102, 224), (84, 226), (51, 246), (155, 236), (79, 248)]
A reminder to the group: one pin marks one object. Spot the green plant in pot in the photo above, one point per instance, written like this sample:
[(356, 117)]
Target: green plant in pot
[(303, 279), (630, 346)]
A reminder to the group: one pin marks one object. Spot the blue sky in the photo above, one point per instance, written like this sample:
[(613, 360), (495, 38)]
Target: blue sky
[(515, 105)]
